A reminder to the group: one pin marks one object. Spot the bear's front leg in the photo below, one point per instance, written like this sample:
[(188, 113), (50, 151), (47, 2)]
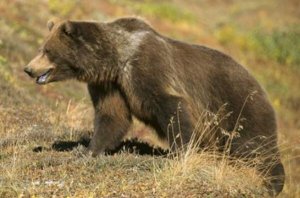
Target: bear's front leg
[(112, 119)]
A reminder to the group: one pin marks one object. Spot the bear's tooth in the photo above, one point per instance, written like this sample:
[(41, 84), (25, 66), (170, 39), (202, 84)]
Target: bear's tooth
[(42, 78)]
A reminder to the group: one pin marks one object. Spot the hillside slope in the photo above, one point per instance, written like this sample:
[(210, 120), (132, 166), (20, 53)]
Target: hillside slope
[(34, 115)]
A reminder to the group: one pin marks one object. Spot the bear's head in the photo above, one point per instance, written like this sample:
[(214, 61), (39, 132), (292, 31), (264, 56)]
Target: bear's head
[(73, 49)]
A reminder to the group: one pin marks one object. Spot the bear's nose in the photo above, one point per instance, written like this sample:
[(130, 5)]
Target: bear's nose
[(28, 71)]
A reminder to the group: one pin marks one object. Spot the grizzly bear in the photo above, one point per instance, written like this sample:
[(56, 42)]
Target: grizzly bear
[(134, 72)]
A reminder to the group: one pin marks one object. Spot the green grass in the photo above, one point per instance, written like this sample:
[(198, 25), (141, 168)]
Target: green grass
[(160, 10), (62, 7), (282, 46)]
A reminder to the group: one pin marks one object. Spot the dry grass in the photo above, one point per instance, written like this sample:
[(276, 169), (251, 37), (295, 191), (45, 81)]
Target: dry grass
[(70, 174), (33, 116), (75, 174)]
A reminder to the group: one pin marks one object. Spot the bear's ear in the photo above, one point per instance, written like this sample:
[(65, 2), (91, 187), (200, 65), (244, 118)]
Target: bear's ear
[(50, 25), (69, 28)]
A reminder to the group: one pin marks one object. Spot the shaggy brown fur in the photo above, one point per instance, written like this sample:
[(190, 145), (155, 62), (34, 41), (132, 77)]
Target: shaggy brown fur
[(134, 72)]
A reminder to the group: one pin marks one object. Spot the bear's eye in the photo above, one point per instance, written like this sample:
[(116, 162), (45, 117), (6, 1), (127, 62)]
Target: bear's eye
[(43, 50), (46, 51)]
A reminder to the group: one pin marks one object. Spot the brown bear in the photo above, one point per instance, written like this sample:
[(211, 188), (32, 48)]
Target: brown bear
[(133, 72)]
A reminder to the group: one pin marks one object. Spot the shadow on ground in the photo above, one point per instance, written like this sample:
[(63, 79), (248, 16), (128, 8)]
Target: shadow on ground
[(129, 146)]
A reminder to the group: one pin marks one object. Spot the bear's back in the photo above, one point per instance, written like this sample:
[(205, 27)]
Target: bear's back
[(131, 24)]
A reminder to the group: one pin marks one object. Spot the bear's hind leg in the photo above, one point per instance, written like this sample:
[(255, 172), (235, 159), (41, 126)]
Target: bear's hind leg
[(274, 173), (265, 153)]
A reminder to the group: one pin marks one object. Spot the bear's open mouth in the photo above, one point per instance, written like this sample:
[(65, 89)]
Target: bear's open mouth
[(44, 77)]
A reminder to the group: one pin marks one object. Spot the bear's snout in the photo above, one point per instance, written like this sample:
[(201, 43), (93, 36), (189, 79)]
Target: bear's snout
[(28, 70)]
